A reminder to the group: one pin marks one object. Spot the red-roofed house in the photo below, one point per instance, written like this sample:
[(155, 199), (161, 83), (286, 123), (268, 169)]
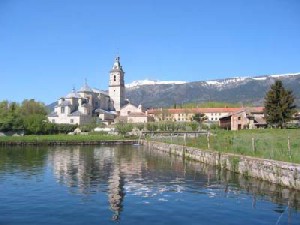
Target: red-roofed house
[(246, 118), (228, 118), (212, 114)]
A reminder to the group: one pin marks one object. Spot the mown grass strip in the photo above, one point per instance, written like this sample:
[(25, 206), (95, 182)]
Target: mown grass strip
[(62, 138)]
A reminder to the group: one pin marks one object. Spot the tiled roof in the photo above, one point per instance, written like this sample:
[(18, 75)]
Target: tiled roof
[(203, 110), (73, 95), (65, 103), (260, 120), (136, 114)]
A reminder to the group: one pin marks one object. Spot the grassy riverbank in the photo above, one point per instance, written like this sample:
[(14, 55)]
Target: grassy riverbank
[(277, 144), (62, 138)]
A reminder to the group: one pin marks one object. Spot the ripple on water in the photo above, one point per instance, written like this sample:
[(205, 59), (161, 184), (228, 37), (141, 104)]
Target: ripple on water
[(105, 185)]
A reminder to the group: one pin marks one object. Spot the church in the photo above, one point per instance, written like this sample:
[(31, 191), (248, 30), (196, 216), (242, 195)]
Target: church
[(83, 106)]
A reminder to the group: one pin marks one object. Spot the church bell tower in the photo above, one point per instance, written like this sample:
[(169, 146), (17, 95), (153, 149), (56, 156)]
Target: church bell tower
[(116, 89)]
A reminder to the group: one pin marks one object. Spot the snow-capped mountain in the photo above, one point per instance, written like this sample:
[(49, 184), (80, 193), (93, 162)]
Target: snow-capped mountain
[(245, 89), (151, 82), (216, 83)]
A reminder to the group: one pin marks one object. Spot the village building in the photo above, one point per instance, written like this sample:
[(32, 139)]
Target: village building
[(186, 114), (132, 114), (227, 118), (83, 106), (246, 118)]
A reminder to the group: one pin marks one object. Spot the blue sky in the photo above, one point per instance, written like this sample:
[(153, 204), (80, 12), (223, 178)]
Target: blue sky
[(49, 46)]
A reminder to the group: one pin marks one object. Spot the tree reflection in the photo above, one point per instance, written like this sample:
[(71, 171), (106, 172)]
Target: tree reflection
[(122, 169), (25, 160)]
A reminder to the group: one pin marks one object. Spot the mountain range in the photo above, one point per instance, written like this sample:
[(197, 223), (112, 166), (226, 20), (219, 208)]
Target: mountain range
[(243, 90)]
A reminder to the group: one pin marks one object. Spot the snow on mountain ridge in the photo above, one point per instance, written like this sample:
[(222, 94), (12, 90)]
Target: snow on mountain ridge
[(225, 81), (152, 82), (228, 81), (218, 82)]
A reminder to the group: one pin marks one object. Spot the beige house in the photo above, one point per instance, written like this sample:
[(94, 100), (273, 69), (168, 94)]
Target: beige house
[(184, 115), (246, 118), (132, 114)]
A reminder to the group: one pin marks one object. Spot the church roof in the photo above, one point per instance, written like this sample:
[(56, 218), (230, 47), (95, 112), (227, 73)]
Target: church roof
[(76, 113), (102, 111), (97, 91), (85, 88), (73, 94), (65, 103), (117, 65), (53, 114), (85, 105)]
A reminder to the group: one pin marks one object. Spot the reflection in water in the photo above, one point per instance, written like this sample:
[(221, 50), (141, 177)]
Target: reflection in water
[(116, 192), (86, 169), (149, 173), (147, 177), (22, 159)]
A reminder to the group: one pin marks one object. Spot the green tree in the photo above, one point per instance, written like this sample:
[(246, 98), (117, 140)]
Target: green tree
[(193, 125), (9, 116), (34, 124), (140, 126), (90, 126), (124, 128), (279, 105), (152, 126), (30, 107), (199, 118), (33, 115)]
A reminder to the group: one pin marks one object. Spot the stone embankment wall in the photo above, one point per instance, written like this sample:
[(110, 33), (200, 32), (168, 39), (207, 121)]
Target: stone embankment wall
[(283, 173)]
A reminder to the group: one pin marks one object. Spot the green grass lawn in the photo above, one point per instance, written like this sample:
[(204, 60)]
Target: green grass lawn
[(63, 137), (268, 143)]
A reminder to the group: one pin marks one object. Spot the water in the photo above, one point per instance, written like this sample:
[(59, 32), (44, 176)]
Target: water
[(132, 185)]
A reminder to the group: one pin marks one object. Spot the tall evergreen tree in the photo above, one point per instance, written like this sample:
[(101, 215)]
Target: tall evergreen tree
[(279, 105)]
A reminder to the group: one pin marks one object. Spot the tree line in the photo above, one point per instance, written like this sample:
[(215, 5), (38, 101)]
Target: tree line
[(31, 117)]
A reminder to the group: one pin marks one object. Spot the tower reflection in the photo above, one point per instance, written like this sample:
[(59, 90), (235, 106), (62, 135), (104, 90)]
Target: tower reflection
[(122, 171)]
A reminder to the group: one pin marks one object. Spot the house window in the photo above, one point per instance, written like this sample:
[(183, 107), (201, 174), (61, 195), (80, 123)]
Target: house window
[(62, 110), (71, 121), (114, 77), (53, 121), (239, 118)]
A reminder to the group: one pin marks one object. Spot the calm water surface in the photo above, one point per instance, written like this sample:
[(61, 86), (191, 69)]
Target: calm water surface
[(132, 185)]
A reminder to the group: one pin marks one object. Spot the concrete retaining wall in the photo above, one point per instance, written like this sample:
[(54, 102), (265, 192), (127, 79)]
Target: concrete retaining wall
[(283, 173)]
